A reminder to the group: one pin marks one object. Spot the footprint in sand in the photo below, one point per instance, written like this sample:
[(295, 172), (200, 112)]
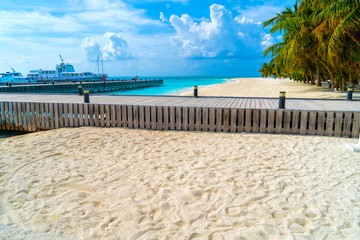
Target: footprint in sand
[(235, 211)]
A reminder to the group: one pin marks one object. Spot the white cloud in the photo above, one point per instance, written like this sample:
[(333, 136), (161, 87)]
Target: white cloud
[(162, 17), (223, 36), (91, 48), (83, 16), (114, 48), (25, 60), (267, 41)]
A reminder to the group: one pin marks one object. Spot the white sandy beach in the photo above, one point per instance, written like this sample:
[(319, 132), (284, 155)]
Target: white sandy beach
[(112, 183), (269, 87)]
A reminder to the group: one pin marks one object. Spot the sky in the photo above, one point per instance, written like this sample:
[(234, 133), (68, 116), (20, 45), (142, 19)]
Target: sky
[(138, 37)]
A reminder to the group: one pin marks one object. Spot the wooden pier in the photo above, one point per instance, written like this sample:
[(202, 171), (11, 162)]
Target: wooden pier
[(70, 87), (37, 112)]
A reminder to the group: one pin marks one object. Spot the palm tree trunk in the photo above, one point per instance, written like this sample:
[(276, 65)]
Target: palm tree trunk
[(332, 77), (312, 78), (318, 75)]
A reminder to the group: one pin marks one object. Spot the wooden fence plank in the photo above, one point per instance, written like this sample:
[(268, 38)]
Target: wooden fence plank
[(241, 120), (212, 119), (159, 124), (33, 117), (136, 116), (356, 125), (41, 116), (81, 114), (347, 124), (198, 115), (185, 114), (271, 121), (91, 114), (102, 115), (28, 117), (118, 116), (321, 124), (226, 119), (279, 121), (147, 117), (11, 117), (2, 116), (153, 117), (56, 116), (130, 117), (256, 120), (191, 119), (205, 119), (330, 123), (304, 122), (66, 115), (107, 115), (166, 117), (263, 120), (52, 119), (124, 115), (61, 115), (219, 120), (96, 115), (248, 120), (312, 122), (7, 116), (287, 121), (178, 117), (24, 116), (295, 123), (338, 124), (76, 114), (113, 115), (16, 116), (71, 115), (233, 119), (142, 117), (19, 113)]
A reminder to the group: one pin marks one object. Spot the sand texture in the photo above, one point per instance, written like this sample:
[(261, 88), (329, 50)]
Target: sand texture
[(93, 183), (269, 87)]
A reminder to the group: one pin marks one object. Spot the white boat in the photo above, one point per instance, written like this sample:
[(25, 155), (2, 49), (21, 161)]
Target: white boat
[(12, 77), (64, 72)]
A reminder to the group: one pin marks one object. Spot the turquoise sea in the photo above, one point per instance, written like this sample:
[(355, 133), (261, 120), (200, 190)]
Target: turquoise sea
[(172, 85)]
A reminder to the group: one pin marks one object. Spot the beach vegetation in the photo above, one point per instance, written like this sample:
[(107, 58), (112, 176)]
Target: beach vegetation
[(320, 42)]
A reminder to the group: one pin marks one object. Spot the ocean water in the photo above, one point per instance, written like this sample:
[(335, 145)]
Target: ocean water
[(172, 85)]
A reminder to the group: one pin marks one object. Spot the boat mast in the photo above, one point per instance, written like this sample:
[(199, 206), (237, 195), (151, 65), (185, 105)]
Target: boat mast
[(102, 65), (97, 63), (62, 60)]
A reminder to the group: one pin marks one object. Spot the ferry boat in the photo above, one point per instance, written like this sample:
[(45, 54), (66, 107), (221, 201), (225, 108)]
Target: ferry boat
[(12, 77), (64, 72)]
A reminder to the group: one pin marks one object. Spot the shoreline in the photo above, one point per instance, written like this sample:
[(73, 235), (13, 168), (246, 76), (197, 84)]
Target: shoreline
[(189, 91)]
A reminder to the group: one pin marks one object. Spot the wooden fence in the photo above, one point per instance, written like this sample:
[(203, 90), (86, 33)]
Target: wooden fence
[(34, 116)]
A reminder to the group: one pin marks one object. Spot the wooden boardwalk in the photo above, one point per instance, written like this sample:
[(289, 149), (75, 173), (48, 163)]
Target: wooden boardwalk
[(70, 87), (34, 112)]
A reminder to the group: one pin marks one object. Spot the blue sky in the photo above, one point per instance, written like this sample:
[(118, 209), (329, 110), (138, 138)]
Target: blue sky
[(138, 37)]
